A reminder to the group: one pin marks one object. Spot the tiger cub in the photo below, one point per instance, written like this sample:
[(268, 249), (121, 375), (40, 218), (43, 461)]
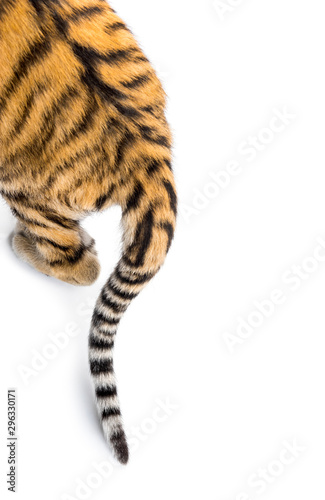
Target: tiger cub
[(82, 128)]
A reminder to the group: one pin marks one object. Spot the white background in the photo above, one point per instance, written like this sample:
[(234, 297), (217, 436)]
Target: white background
[(232, 412)]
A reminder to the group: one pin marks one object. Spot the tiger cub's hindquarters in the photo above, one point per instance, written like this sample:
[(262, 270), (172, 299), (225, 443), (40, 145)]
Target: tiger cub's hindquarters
[(82, 127)]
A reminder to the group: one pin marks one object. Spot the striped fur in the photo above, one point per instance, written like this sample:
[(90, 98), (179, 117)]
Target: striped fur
[(82, 127)]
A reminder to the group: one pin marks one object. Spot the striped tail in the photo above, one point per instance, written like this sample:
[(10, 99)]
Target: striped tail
[(148, 232)]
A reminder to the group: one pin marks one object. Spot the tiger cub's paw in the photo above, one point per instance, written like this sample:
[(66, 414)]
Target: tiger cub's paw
[(84, 272)]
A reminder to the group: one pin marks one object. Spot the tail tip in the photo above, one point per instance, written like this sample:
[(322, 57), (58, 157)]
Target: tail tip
[(120, 447)]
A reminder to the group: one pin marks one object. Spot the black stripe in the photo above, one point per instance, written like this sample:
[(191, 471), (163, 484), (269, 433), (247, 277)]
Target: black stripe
[(145, 238), (26, 112), (60, 220), (126, 142), (160, 140), (133, 280), (38, 5), (88, 57), (58, 172), (110, 412), (50, 118), (153, 167), (106, 392), (172, 196), (115, 27), (117, 436), (117, 308), (27, 220), (127, 111), (119, 55), (141, 58), (101, 200), (45, 241), (99, 343), (136, 82), (149, 109), (37, 51), (166, 226), (119, 293), (99, 318), (56, 219), (61, 25), (169, 164), (151, 135), (98, 366), (87, 12), (107, 92), (85, 121), (15, 196), (72, 259), (142, 238), (21, 198), (134, 199)]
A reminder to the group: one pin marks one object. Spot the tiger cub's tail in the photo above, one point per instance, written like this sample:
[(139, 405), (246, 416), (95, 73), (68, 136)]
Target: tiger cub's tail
[(149, 216)]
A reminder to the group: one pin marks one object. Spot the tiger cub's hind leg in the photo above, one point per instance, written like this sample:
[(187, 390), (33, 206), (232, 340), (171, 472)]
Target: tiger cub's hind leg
[(65, 253)]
